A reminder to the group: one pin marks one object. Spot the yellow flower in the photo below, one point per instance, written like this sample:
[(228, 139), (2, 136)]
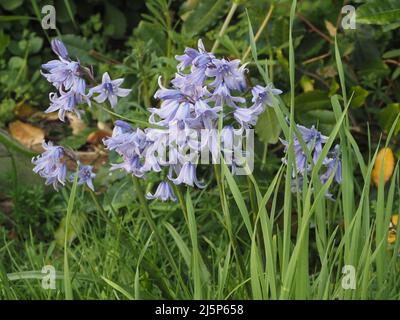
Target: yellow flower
[(392, 228), (385, 156)]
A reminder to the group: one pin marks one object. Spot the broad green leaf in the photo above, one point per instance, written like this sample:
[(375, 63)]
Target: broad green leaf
[(115, 21), (391, 54), (267, 127), (11, 4), (379, 12), (4, 41), (205, 13), (360, 94), (388, 115), (312, 100)]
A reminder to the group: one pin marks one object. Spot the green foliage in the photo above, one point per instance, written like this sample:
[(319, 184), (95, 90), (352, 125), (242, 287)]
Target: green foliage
[(379, 12), (243, 237)]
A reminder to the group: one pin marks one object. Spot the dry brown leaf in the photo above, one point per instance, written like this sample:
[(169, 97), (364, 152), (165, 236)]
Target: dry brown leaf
[(24, 110), (331, 28), (26, 133), (103, 126), (97, 137), (52, 116)]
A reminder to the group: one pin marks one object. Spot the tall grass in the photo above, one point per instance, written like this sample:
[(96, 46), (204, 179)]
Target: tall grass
[(239, 240)]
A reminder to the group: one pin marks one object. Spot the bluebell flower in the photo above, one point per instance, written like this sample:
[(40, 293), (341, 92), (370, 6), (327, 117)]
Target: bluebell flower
[(49, 165), (61, 73), (127, 143), (109, 89), (131, 164), (313, 139), (85, 175), (121, 126), (247, 117), (222, 95), (228, 73), (204, 115), (197, 58), (65, 102), (187, 175), (202, 86), (164, 192), (300, 156), (174, 107), (262, 95), (59, 49), (66, 76), (334, 166), (130, 144), (168, 94)]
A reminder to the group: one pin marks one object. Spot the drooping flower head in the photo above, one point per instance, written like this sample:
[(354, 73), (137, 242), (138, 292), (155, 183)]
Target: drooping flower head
[(314, 142), (49, 165), (263, 95), (59, 49), (164, 192), (190, 108)]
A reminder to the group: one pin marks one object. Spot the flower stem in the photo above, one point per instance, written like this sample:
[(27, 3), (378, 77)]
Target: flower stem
[(153, 227), (181, 200), (225, 25), (260, 29), (228, 222)]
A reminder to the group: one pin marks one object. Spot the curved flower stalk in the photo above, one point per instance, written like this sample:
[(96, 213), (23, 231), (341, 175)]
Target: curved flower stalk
[(69, 78), (314, 142), (204, 90)]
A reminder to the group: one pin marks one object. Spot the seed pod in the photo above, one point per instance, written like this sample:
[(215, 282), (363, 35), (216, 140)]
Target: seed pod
[(385, 156)]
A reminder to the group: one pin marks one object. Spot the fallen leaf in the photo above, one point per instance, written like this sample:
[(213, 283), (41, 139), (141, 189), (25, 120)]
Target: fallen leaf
[(26, 134), (104, 126), (97, 137), (24, 110), (331, 28)]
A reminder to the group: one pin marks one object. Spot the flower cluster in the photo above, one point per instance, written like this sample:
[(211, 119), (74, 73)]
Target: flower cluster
[(69, 78), (202, 89), (66, 75), (51, 165), (314, 141)]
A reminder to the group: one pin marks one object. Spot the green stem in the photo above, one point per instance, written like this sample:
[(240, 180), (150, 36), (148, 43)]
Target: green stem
[(181, 200), (228, 221), (147, 265), (153, 227), (225, 25)]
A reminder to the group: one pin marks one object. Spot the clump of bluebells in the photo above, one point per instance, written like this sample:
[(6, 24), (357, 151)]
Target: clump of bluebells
[(69, 78), (206, 99), (314, 141)]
